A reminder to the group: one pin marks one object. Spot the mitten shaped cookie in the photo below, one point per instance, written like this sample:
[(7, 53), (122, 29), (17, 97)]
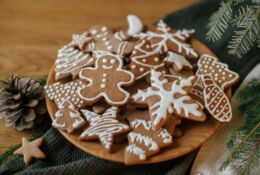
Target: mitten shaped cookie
[(215, 100), (105, 80), (221, 74)]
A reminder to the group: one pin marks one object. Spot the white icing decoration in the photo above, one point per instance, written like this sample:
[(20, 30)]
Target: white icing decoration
[(136, 151), (139, 138), (104, 93), (213, 103), (222, 70), (165, 36), (135, 25), (179, 60), (145, 54), (103, 126), (168, 103)]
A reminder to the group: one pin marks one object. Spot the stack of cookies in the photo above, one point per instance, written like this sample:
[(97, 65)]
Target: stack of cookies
[(137, 83)]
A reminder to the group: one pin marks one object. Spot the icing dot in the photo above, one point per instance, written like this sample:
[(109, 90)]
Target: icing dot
[(206, 66), (104, 39), (217, 66), (107, 43), (104, 80), (141, 69), (156, 59), (94, 32), (230, 75), (223, 73), (133, 66), (147, 46), (144, 60), (104, 60), (102, 85), (104, 29), (112, 61), (223, 78), (205, 71), (109, 47), (104, 75)]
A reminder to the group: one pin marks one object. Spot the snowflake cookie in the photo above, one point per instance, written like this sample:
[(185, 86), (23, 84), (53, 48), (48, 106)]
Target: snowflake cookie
[(163, 39), (165, 98), (220, 72), (103, 127), (68, 118), (144, 141), (106, 80)]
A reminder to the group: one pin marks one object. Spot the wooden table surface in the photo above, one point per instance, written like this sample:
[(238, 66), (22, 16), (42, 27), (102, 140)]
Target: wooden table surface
[(32, 31)]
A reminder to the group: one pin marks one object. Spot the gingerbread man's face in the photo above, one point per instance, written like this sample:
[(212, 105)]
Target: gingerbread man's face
[(108, 62)]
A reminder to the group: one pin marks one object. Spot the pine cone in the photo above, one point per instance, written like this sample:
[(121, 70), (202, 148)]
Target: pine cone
[(21, 102)]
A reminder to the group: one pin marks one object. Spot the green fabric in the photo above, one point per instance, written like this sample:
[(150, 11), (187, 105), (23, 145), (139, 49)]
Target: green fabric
[(64, 158)]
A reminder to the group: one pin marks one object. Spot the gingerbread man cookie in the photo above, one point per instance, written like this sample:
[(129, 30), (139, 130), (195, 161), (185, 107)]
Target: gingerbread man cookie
[(216, 101), (165, 98), (103, 127), (220, 72), (144, 141), (59, 92), (143, 59), (106, 80), (163, 39), (68, 118)]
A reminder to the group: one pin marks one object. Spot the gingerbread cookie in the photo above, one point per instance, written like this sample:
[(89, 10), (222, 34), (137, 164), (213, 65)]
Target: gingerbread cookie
[(220, 72), (144, 141), (106, 80), (71, 58), (117, 42), (178, 62), (59, 92), (68, 118), (215, 100), (30, 150), (165, 98), (197, 90), (164, 39), (143, 59), (103, 127)]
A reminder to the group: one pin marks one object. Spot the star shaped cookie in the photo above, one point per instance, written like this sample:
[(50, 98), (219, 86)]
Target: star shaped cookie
[(30, 150)]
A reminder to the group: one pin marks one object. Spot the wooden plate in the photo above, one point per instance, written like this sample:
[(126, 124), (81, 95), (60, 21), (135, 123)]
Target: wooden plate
[(195, 133)]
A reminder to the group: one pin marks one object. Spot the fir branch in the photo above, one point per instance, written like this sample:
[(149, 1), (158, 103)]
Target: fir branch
[(243, 144), (246, 37), (43, 80), (244, 13), (219, 21)]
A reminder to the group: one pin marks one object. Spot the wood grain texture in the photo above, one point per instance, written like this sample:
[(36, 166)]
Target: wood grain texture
[(195, 133), (32, 32)]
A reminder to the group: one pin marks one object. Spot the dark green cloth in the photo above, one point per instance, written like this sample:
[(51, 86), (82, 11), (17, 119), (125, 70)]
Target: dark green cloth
[(64, 158)]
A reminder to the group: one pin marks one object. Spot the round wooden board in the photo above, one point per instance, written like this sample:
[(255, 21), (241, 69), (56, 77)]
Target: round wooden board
[(195, 133)]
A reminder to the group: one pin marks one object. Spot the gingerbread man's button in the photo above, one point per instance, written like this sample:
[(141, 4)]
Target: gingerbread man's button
[(106, 80)]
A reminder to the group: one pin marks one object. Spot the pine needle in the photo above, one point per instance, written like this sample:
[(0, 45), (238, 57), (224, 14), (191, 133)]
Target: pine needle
[(219, 21), (246, 37)]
